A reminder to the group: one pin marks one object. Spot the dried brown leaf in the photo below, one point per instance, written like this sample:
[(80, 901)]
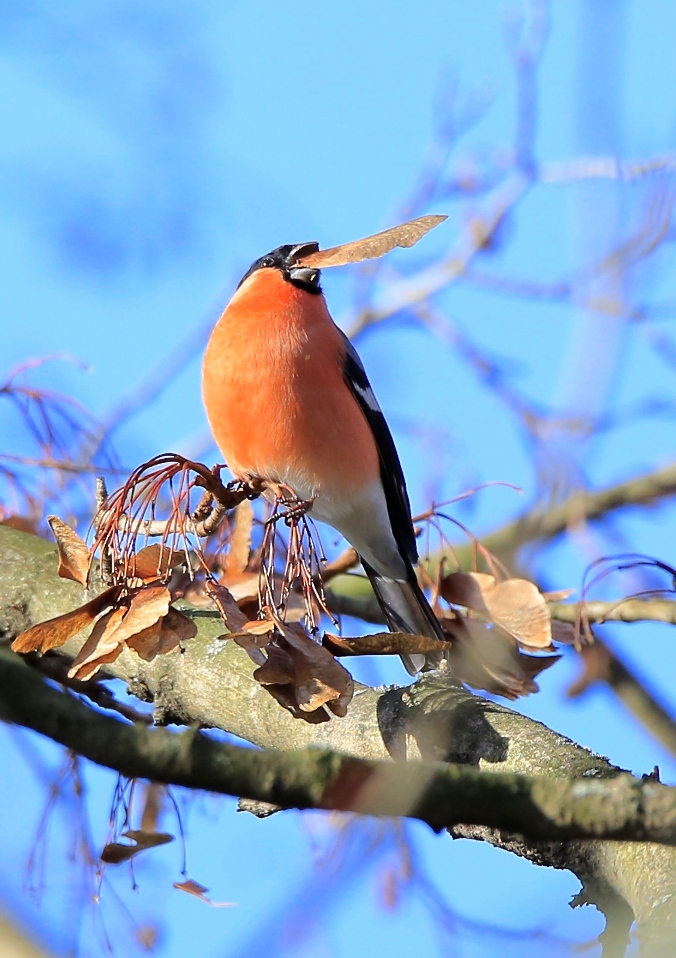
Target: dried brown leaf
[(467, 589), (596, 667), (195, 595), (259, 627), (104, 645), (237, 557), (518, 607), (558, 595), (488, 660), (146, 607), (199, 891), (252, 645), (235, 620), (54, 632), (296, 608), (301, 674), (278, 669), (73, 551), (114, 853), (515, 605), (372, 247), (155, 562), (139, 612), (564, 633), (147, 936), (180, 624), (164, 636), (286, 696), (320, 679), (383, 643), (243, 586), (146, 643), (227, 607), (153, 801), (148, 839)]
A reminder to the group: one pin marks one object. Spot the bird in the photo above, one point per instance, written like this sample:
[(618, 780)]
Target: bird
[(289, 402)]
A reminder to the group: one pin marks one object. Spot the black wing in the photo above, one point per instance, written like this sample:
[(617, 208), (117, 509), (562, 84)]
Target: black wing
[(396, 496)]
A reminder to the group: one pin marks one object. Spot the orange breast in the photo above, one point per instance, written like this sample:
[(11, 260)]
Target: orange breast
[(274, 392)]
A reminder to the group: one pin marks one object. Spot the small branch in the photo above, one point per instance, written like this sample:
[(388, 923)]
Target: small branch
[(552, 809), (106, 559), (352, 594), (217, 500), (208, 515), (605, 168), (346, 561), (16, 943), (527, 54), (560, 290), (579, 508), (622, 610), (59, 465), (160, 528)]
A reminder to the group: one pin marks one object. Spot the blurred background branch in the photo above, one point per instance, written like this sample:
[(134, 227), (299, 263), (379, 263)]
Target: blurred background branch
[(151, 155)]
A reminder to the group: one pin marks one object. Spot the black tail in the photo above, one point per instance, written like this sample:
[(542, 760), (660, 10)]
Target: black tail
[(407, 610)]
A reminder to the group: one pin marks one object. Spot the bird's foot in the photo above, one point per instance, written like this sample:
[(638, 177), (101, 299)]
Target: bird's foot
[(288, 506)]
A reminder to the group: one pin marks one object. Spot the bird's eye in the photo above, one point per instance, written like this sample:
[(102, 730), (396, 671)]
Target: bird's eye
[(268, 261)]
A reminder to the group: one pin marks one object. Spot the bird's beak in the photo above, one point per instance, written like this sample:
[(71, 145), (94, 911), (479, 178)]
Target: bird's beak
[(304, 274)]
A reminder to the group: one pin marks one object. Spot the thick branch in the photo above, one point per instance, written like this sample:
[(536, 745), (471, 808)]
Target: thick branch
[(211, 684), (442, 795)]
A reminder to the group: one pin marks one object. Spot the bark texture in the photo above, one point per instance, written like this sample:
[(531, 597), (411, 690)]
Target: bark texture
[(211, 685)]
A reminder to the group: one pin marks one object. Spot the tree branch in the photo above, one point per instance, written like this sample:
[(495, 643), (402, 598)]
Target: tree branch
[(211, 684), (582, 507), (442, 795), (622, 610), (352, 594)]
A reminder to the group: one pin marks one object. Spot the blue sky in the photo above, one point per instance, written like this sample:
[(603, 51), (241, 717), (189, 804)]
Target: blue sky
[(150, 153)]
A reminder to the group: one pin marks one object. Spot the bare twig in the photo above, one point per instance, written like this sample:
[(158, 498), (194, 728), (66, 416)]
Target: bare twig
[(622, 610), (605, 168)]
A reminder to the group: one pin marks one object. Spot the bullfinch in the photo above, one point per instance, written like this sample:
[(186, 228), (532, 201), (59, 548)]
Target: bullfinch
[(288, 401)]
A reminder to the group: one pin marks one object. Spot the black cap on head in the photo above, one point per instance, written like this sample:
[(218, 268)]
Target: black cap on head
[(284, 258)]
